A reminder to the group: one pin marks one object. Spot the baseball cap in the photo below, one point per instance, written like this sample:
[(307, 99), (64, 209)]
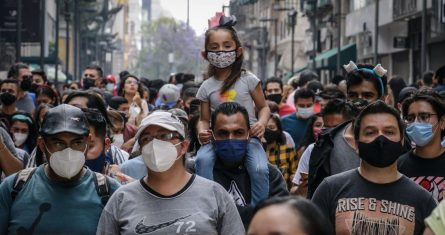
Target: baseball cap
[(168, 95), (64, 118), (179, 113), (163, 119)]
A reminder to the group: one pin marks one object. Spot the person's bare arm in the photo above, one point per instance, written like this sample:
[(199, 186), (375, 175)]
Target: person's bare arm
[(204, 135), (8, 162), (259, 127)]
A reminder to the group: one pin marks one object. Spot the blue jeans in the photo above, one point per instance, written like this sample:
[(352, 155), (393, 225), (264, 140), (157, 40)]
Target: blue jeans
[(255, 163)]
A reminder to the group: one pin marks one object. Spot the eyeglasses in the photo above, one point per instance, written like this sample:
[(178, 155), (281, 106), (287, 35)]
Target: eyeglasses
[(131, 82), (421, 117), (143, 140)]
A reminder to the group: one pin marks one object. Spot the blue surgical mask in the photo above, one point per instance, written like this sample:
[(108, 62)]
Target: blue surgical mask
[(305, 112), (98, 164), (420, 133), (231, 151)]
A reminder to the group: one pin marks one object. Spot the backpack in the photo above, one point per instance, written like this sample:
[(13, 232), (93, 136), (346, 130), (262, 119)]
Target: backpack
[(100, 182)]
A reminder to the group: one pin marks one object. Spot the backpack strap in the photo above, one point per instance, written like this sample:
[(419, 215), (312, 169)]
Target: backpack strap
[(20, 180), (102, 187)]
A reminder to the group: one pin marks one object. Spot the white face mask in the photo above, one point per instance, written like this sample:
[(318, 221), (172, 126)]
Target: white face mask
[(118, 140), (305, 112), (159, 155), (221, 59), (109, 87), (67, 163), (19, 138)]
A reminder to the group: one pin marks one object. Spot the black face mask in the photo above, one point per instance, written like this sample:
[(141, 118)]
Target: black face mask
[(275, 98), (98, 164), (26, 83), (381, 152), (7, 99), (34, 88), (88, 83), (272, 136), (360, 103)]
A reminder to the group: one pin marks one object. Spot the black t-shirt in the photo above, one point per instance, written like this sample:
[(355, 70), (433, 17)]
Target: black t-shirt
[(237, 182), (355, 205), (428, 173)]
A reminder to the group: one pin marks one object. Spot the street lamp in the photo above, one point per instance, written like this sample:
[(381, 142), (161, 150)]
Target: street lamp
[(275, 20), (292, 22)]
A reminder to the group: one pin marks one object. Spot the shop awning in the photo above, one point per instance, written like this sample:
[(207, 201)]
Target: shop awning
[(328, 59)]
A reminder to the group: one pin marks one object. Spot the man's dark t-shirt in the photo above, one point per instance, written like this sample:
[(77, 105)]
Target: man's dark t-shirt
[(428, 173), (237, 182), (355, 205)]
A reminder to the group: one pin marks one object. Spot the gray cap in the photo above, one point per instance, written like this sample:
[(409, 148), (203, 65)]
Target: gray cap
[(163, 119), (64, 118)]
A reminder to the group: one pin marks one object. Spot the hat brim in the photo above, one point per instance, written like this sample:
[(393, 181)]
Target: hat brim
[(64, 130), (142, 128)]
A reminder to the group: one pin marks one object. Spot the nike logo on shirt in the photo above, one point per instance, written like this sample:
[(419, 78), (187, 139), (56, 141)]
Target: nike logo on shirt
[(141, 228)]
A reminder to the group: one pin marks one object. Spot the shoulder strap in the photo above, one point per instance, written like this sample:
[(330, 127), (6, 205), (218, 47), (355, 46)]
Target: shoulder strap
[(101, 183), (20, 179)]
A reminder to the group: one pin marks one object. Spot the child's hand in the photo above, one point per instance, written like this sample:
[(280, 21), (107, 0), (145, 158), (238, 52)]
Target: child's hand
[(137, 99), (257, 130), (204, 137)]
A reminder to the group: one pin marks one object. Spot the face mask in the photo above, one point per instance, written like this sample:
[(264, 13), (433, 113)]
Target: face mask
[(26, 83), (67, 163), (118, 140), (34, 88), (109, 87), (20, 138), (317, 132), (7, 99), (305, 112), (96, 165), (159, 155), (221, 59), (231, 151), (88, 83), (275, 98), (271, 136), (360, 103), (443, 143), (420, 133), (381, 152)]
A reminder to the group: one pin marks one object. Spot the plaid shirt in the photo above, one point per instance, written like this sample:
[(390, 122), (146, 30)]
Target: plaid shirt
[(284, 157)]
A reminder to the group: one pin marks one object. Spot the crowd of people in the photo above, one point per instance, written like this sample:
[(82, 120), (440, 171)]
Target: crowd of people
[(230, 155)]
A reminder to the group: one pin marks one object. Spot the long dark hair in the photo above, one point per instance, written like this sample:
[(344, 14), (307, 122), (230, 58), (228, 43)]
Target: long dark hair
[(277, 120), (309, 137), (120, 89), (236, 67)]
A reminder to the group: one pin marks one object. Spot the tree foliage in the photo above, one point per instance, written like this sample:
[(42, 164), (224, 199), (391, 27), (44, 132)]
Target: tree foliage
[(162, 37)]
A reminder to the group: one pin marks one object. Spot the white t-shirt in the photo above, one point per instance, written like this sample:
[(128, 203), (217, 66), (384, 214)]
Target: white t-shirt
[(303, 165)]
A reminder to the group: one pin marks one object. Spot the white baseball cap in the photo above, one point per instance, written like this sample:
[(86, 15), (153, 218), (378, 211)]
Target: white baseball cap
[(163, 119)]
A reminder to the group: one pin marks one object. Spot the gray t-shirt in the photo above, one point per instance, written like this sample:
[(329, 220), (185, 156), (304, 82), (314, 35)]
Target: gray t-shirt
[(201, 207), (343, 156), (240, 92)]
